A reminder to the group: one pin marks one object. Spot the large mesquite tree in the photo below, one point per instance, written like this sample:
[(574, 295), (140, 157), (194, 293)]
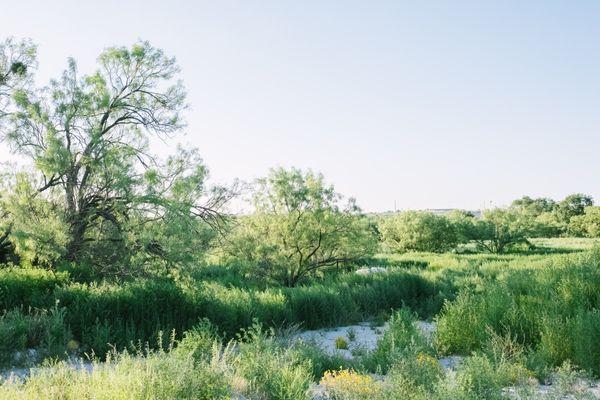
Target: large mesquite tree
[(87, 136)]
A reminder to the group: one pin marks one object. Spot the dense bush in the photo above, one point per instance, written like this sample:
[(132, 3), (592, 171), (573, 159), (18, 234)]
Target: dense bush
[(402, 340), (270, 370), (587, 224), (418, 231), (548, 218), (29, 287)]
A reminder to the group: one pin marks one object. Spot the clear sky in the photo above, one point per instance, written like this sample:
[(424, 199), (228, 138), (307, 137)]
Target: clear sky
[(431, 104)]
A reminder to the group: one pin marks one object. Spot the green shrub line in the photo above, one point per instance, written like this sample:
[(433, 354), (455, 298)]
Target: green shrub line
[(105, 314)]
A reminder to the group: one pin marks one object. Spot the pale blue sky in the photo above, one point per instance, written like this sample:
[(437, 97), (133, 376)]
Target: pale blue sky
[(429, 104)]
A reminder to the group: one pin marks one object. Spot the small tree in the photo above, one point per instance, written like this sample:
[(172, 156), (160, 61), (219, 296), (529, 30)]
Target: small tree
[(572, 206), (499, 229), (418, 231), (299, 226), (588, 224)]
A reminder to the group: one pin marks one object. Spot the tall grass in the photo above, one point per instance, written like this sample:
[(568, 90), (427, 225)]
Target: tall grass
[(554, 311), (45, 330), (102, 315)]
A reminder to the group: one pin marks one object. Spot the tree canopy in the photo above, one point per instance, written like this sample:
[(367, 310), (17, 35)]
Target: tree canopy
[(17, 63), (87, 137), (300, 225)]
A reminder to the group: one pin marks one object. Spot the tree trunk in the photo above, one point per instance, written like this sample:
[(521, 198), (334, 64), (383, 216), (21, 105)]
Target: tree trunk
[(77, 232)]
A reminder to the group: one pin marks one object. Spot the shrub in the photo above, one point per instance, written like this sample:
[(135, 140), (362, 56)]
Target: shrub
[(271, 371), (587, 224), (478, 379), (478, 313), (575, 339), (419, 370), (199, 342), (418, 231), (299, 227), (402, 339)]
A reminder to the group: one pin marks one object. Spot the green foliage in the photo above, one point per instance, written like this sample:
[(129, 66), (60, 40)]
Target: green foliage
[(38, 230), (586, 224), (97, 195), (418, 231), (547, 218), (401, 340), (546, 225), (29, 287), (298, 228), (478, 378), (199, 342), (500, 229), (552, 310), (17, 61), (534, 207), (271, 371), (572, 206), (154, 376), (414, 377), (478, 312), (46, 331)]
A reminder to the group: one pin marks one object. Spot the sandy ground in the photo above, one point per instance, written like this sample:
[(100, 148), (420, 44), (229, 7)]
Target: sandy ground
[(360, 338)]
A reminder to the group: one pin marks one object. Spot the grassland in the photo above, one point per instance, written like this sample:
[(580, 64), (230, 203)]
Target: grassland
[(517, 318)]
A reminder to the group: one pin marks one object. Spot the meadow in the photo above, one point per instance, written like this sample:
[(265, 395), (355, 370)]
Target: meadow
[(515, 317)]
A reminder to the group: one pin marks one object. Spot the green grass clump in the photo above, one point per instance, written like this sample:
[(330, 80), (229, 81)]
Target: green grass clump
[(402, 339), (154, 376), (43, 330), (341, 343), (270, 370)]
